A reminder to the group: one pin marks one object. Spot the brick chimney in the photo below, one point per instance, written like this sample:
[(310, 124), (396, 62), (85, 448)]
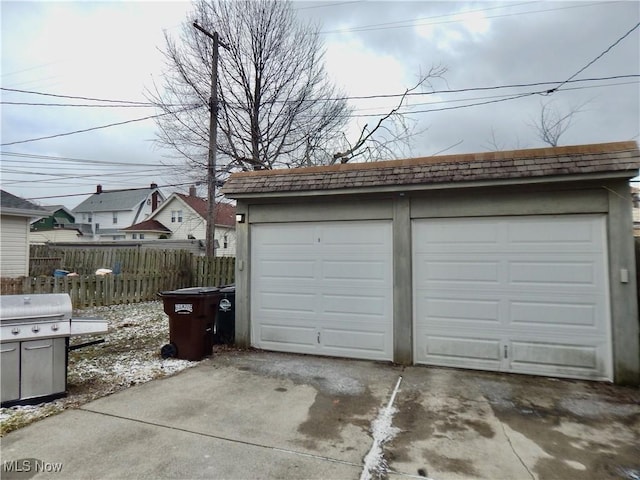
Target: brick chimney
[(154, 199), (99, 189), (192, 191)]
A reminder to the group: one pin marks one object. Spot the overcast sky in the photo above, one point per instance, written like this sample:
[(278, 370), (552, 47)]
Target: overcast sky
[(110, 50)]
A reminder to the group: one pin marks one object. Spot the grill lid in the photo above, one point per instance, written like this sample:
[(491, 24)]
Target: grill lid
[(16, 309)]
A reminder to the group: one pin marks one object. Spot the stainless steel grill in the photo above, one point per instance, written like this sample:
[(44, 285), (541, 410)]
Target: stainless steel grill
[(34, 342)]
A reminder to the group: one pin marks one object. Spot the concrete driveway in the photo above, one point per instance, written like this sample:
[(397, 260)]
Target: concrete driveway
[(246, 415)]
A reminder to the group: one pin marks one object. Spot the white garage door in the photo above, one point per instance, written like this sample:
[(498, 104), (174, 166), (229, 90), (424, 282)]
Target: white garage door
[(324, 288), (514, 294)]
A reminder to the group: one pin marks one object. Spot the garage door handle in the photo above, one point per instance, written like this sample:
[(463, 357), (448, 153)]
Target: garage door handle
[(8, 350), (38, 348)]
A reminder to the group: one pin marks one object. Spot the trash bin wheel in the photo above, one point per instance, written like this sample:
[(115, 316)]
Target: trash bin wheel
[(169, 350)]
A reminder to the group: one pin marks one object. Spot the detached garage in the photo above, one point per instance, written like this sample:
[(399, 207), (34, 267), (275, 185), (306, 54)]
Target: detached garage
[(517, 261)]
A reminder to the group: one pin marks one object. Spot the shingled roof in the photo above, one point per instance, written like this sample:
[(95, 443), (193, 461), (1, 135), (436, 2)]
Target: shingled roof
[(13, 205), (558, 162)]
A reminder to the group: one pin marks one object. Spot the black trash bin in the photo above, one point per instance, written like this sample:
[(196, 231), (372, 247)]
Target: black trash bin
[(225, 327), (192, 317)]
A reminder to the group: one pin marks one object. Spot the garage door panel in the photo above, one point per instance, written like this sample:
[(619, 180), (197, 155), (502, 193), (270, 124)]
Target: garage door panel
[(574, 273), (283, 270), (547, 313), (342, 234), (559, 355), (288, 338), (333, 291), (343, 341), (287, 236), (566, 233), (455, 234), (456, 351), (451, 309), (363, 271), (281, 302), (540, 290), (370, 306), (457, 271)]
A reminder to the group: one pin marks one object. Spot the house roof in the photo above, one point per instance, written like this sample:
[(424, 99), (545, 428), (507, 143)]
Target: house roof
[(225, 212), (527, 165), (12, 205), (147, 226), (115, 200)]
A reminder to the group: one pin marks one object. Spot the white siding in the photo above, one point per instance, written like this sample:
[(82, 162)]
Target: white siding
[(220, 233), (58, 235), (192, 223), (14, 251)]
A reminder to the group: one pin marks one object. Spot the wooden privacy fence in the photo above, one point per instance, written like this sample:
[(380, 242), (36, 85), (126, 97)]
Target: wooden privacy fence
[(121, 260), (112, 289)]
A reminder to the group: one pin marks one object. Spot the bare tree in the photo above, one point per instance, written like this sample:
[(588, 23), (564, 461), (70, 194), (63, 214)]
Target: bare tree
[(276, 106), (552, 123), (391, 131)]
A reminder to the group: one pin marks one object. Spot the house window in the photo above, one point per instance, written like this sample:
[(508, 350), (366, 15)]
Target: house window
[(97, 227), (225, 242), (115, 217), (142, 236), (134, 236), (176, 216), (89, 218)]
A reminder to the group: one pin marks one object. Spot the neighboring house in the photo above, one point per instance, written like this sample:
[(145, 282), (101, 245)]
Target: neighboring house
[(60, 226), (147, 230), (15, 216), (59, 217), (110, 211), (517, 262), (184, 217)]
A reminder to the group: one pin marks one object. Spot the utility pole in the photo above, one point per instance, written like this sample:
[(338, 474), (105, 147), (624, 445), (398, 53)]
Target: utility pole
[(213, 136)]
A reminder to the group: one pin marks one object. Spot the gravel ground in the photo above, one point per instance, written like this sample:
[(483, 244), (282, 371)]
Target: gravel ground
[(129, 356)]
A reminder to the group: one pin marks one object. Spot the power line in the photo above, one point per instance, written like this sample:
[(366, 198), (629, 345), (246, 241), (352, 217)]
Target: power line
[(119, 190), (597, 58), (411, 22), (84, 161), (345, 97), (487, 97), (328, 5), (31, 92), (74, 105), (88, 129), (368, 97)]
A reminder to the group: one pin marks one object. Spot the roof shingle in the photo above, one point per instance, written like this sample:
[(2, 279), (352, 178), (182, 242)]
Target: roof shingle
[(532, 163)]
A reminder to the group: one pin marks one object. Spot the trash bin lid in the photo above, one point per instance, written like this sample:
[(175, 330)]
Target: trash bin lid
[(228, 289), (192, 291)]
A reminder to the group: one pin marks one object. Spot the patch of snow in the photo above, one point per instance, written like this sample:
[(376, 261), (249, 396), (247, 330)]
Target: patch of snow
[(382, 430), (129, 356)]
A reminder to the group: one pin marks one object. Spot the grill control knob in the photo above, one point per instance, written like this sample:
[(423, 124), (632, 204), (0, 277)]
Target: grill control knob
[(54, 327), (35, 329), (15, 330)]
